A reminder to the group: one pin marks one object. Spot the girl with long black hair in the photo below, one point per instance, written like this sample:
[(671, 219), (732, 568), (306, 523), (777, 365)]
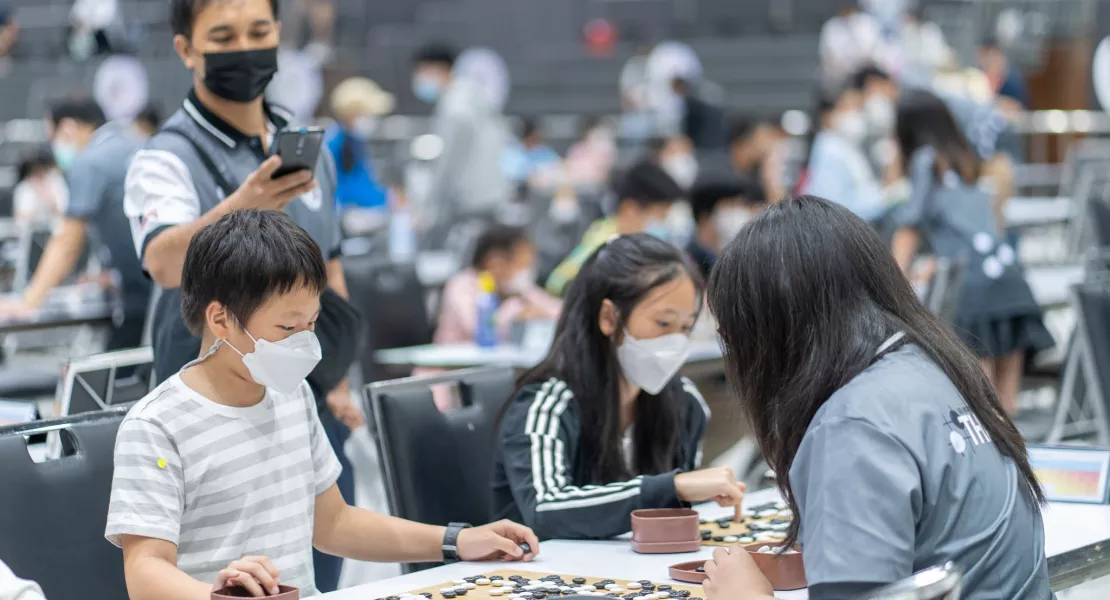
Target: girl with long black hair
[(602, 426), (998, 317), (890, 444)]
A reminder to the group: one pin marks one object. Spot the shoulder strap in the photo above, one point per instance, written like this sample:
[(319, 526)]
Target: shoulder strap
[(205, 159)]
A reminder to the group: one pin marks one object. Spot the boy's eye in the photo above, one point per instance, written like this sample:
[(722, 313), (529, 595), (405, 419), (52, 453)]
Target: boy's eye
[(663, 324), (284, 328)]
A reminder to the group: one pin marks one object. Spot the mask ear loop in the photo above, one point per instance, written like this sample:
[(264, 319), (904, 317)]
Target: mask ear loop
[(229, 344)]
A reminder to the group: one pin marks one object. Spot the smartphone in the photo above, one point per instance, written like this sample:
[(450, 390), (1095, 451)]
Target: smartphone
[(298, 149)]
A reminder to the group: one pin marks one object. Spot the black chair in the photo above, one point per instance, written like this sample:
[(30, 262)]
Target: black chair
[(99, 382), (437, 465), (1081, 409), (391, 299), (943, 297), (53, 513)]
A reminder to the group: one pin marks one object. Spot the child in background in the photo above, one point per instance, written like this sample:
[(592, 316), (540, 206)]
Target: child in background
[(720, 209), (223, 474), (603, 426), (645, 196), (506, 254), (41, 195)]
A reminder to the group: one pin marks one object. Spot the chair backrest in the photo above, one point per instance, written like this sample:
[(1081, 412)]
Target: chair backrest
[(937, 583), (438, 465), (53, 513), (391, 298), (105, 380), (944, 290), (1093, 315)]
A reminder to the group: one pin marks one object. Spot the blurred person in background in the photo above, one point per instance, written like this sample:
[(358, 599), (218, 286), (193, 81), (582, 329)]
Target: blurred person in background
[(357, 105), (14, 588), (757, 150), (591, 158), (675, 155), (924, 49), (94, 214), (637, 122), (721, 209), (703, 122), (838, 170), (645, 195), (467, 179), (531, 161), (149, 120), (94, 25), (849, 41), (509, 256), (71, 125), (998, 318), (9, 28), (1005, 79), (40, 195)]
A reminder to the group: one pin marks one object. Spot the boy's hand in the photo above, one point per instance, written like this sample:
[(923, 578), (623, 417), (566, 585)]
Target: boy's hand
[(256, 574), (497, 540), (340, 405), (733, 575)]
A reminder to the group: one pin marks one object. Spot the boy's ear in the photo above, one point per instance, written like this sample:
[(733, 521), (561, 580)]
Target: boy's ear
[(607, 318), (218, 320)]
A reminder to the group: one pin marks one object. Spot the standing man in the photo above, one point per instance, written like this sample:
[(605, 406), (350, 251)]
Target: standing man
[(94, 156), (211, 158), (467, 178)]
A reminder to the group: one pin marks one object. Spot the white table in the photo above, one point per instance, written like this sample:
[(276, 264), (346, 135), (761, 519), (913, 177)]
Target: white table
[(461, 356), (1028, 211), (1068, 528)]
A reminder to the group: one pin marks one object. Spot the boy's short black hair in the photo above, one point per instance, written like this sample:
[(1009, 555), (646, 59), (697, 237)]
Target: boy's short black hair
[(436, 54), (859, 79), (496, 238), (529, 127), (705, 196), (183, 14), (244, 259), (646, 183), (83, 110), (151, 116), (37, 159)]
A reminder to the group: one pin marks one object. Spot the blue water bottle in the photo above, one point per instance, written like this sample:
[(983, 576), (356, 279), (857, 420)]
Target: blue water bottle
[(485, 335)]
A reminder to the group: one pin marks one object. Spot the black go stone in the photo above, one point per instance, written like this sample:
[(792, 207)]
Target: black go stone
[(393, 598), (644, 582), (700, 569), (600, 585), (525, 547), (718, 538), (706, 534), (684, 593), (664, 588), (539, 595), (461, 592), (579, 580), (724, 524), (448, 594), (613, 595), (427, 595)]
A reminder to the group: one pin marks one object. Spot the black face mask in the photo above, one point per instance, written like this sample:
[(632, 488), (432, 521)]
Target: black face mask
[(240, 76)]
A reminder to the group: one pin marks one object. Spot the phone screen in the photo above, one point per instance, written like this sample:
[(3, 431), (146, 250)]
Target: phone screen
[(298, 149)]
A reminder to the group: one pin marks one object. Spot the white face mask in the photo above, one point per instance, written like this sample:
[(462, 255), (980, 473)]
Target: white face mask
[(880, 114), (729, 222), (284, 364), (363, 127), (521, 281), (651, 364), (851, 126), (683, 168)]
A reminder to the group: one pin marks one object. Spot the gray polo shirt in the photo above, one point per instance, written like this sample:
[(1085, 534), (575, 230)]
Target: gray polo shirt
[(96, 196), (896, 474), (168, 185)]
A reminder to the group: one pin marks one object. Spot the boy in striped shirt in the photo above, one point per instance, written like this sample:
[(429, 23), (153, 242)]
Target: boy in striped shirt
[(223, 474)]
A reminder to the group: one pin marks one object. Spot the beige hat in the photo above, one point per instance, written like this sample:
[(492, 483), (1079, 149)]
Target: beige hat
[(360, 96)]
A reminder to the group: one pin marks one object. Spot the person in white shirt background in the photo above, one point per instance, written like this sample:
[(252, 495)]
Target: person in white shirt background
[(41, 195), (14, 588), (848, 42)]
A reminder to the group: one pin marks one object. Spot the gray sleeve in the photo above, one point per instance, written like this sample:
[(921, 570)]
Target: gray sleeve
[(922, 179), (87, 181), (856, 487), (331, 173)]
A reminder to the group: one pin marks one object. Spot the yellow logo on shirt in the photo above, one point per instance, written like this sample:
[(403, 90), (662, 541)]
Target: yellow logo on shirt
[(161, 463)]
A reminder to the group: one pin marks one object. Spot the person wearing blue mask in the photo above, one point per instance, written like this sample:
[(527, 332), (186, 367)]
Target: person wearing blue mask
[(70, 126), (467, 177), (646, 194)]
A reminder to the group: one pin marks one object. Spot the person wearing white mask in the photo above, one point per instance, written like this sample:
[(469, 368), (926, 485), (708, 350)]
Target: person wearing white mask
[(237, 433), (721, 209), (357, 105), (604, 425), (838, 169)]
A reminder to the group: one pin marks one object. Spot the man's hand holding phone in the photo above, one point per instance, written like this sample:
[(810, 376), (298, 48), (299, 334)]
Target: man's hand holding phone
[(262, 191)]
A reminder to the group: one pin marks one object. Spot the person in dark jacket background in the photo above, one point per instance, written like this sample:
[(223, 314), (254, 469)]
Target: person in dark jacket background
[(603, 426)]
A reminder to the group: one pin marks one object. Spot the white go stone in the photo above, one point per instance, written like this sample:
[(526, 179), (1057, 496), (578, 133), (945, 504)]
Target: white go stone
[(746, 540), (611, 586), (662, 595), (445, 590), (634, 585), (469, 586), (786, 513), (766, 550), (768, 513), (460, 581), (731, 539), (507, 588), (778, 536), (496, 592), (482, 581), (536, 582), (566, 589)]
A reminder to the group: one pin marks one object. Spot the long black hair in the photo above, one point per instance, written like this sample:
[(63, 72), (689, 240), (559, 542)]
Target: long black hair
[(924, 120), (624, 271), (804, 296)]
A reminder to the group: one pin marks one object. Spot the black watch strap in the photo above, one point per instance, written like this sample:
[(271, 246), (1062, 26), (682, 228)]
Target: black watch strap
[(451, 542)]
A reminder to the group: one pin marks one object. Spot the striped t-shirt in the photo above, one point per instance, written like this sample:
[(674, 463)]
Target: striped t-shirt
[(223, 482)]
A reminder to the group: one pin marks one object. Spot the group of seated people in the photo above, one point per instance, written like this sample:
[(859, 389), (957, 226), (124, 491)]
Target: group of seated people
[(848, 381)]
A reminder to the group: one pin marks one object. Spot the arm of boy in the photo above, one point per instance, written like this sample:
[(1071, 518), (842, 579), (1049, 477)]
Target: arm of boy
[(150, 566), (356, 533)]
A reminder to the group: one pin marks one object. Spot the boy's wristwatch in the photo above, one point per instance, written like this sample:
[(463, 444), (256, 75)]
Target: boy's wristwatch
[(451, 542)]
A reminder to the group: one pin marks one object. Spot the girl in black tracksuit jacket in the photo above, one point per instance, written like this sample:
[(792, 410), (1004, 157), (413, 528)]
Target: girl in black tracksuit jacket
[(602, 427)]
